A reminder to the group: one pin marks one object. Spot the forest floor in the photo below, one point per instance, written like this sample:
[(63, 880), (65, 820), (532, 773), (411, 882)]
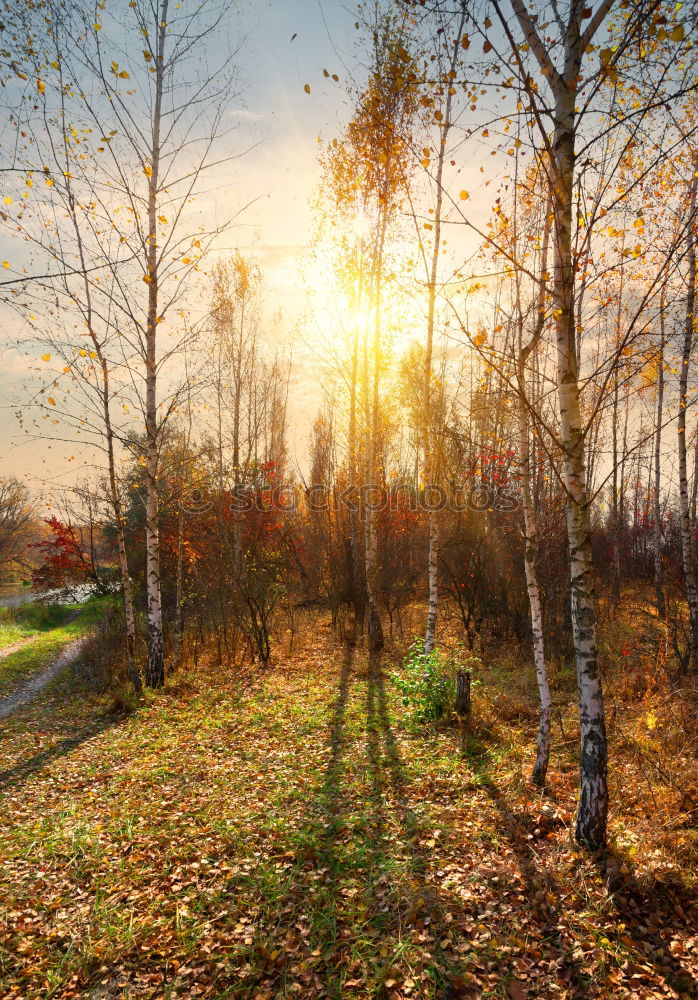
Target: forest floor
[(287, 834)]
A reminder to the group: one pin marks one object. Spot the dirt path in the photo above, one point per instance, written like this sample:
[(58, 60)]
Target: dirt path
[(14, 646), (27, 692)]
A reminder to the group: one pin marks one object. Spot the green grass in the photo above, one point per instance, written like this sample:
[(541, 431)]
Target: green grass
[(48, 629), (27, 621)]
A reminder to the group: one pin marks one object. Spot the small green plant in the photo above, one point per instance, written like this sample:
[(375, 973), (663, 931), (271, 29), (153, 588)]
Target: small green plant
[(427, 682), (426, 685)]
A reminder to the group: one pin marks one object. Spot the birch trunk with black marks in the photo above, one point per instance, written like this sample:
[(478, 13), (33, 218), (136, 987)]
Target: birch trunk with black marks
[(592, 810), (155, 670), (658, 576), (616, 518), (689, 572), (375, 629), (354, 554), (126, 589), (179, 593), (115, 496), (540, 768), (430, 458), (433, 570), (615, 514)]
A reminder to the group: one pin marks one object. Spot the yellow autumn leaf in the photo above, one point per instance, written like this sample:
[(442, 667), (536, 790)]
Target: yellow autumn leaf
[(52, 401), (148, 170), (55, 65), (8, 200), (45, 357), (162, 219), (678, 33), (197, 244), (148, 280), (49, 182), (40, 86), (83, 354), (480, 338), (186, 260), (307, 88), (464, 196), (6, 264)]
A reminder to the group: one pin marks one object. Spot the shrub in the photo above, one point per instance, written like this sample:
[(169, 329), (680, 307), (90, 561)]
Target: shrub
[(36, 615), (427, 682), (101, 665)]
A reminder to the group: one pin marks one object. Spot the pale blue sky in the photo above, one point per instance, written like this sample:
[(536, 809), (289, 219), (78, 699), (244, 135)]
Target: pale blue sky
[(279, 174)]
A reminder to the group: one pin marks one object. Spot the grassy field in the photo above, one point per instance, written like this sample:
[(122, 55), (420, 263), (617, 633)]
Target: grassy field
[(289, 835), (44, 632)]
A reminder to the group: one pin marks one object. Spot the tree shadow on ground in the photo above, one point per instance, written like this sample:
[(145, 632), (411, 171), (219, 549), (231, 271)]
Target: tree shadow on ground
[(650, 912), (632, 903), (353, 903), (362, 906), (13, 777), (301, 912), (450, 973), (417, 905)]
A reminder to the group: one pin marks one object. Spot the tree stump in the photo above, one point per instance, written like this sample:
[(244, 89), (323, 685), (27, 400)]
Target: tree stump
[(463, 693)]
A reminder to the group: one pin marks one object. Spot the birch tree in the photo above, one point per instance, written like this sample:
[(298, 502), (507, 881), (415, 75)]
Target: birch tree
[(526, 352), (658, 574), (564, 95), (144, 91), (687, 554), (449, 53), (379, 137)]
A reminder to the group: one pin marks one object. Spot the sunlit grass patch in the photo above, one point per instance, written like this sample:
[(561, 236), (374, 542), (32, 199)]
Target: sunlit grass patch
[(48, 629)]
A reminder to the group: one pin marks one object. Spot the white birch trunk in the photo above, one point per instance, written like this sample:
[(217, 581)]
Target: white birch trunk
[(155, 671), (352, 463), (129, 617), (540, 768), (592, 810), (684, 509), (179, 596), (126, 590), (375, 629), (658, 576), (429, 444), (530, 551), (430, 634)]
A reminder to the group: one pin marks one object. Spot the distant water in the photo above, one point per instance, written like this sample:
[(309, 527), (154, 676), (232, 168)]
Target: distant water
[(14, 595)]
